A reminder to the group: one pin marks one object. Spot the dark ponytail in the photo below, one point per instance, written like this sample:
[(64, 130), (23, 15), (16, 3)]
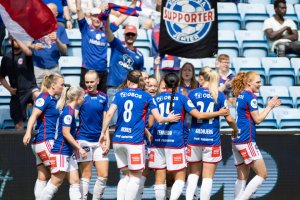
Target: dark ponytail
[(171, 80)]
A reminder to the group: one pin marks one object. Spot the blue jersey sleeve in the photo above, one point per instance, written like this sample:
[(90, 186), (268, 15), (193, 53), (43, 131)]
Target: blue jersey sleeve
[(83, 25), (117, 44), (152, 104), (62, 35), (113, 27), (66, 118), (188, 104), (42, 102), (252, 102)]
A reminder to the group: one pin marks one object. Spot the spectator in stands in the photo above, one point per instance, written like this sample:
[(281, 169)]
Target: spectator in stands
[(94, 44), (2, 35), (48, 49), (226, 76), (282, 33), (187, 79), (63, 16), (17, 65), (149, 15), (124, 58), (86, 6)]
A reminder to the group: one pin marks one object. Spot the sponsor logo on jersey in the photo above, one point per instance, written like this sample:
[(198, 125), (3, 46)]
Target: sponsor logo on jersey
[(40, 102), (253, 103), (68, 119)]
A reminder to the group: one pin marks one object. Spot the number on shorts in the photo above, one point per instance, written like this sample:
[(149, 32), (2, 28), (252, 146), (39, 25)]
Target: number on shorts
[(128, 105)]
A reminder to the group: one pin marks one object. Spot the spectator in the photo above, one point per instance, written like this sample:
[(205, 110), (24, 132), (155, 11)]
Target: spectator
[(281, 33), (94, 44), (17, 65), (48, 49), (187, 79), (124, 58), (226, 76), (149, 15), (63, 14), (86, 6)]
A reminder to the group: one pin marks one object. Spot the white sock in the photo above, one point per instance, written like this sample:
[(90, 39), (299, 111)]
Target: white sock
[(132, 188), (84, 187), (99, 188), (206, 187), (239, 188), (122, 187), (191, 187), (160, 191), (38, 187), (74, 192), (48, 192), (177, 189), (168, 192), (141, 188), (252, 187)]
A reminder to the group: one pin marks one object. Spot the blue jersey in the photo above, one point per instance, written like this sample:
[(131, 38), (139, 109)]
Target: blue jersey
[(91, 116), (245, 104), (94, 47), (122, 61), (48, 57), (46, 122), (206, 132), (171, 135), (66, 119), (132, 110)]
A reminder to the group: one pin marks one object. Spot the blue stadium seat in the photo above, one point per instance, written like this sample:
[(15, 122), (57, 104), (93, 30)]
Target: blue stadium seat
[(280, 91), (4, 96), (260, 1), (290, 12), (148, 64), (268, 123), (279, 71), (4, 113), (295, 62), (210, 62), (227, 43), (228, 17), (252, 43), (224, 124), (287, 117), (295, 94), (73, 80), (74, 48), (70, 65), (253, 15), (260, 101), (292, 1)]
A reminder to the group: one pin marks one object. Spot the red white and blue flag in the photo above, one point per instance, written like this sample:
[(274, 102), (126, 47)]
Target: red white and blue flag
[(27, 20)]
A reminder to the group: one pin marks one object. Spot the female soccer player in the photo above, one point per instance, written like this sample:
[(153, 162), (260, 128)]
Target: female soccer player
[(167, 151), (128, 140), (204, 139), (61, 157), (91, 115), (245, 151), (45, 113)]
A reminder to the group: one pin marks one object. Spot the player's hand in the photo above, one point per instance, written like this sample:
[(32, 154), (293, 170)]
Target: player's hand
[(53, 36), (12, 91), (234, 134), (69, 24), (104, 144), (274, 102), (26, 138), (173, 118), (82, 153), (224, 111), (38, 46)]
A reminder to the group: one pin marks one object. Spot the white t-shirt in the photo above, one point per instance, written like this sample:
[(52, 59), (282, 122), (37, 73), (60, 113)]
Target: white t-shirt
[(275, 26)]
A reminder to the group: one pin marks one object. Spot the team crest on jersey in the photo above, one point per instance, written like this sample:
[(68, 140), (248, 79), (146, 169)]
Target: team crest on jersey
[(188, 21), (40, 102), (68, 119), (254, 103)]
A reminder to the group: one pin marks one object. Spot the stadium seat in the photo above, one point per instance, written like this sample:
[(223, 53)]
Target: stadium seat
[(295, 94), (297, 11), (73, 80), (148, 65), (279, 71), (249, 64), (280, 91), (4, 114), (227, 43), (70, 65), (260, 101), (288, 118), (210, 62), (4, 96), (295, 62), (268, 123), (292, 1), (228, 17), (252, 15), (260, 1), (290, 12), (74, 48), (252, 43)]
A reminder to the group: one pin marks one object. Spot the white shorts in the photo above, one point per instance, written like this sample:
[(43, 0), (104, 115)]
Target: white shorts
[(130, 156), (42, 152), (172, 159), (62, 163), (205, 154), (93, 151), (245, 153)]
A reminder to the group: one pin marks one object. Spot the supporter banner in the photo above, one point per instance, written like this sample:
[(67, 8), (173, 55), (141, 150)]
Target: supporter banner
[(189, 28), (27, 19), (280, 152)]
